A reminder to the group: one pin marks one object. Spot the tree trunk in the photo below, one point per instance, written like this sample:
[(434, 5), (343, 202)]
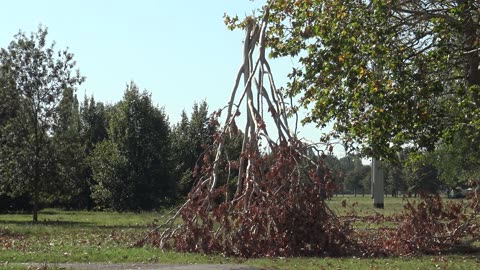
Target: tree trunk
[(36, 170), (471, 51), (35, 190), (377, 184), (35, 207)]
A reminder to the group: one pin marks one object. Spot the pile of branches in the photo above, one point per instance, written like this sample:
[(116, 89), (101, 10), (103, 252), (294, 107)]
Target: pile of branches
[(276, 214), (430, 226), (277, 204)]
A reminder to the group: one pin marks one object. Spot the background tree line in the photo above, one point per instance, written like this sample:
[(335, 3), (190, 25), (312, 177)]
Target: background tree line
[(122, 156), (409, 175), (57, 151)]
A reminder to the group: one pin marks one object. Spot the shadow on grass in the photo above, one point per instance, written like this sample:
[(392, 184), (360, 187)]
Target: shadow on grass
[(46, 222), (51, 213), (78, 224), (29, 213)]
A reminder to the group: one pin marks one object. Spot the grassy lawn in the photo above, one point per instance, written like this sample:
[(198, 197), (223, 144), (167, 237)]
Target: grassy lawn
[(82, 236), (363, 205)]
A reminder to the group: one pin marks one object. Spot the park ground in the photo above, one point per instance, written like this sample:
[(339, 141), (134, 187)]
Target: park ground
[(108, 237)]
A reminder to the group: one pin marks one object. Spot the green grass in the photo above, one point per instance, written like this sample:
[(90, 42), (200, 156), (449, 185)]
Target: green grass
[(82, 236), (86, 218), (363, 205)]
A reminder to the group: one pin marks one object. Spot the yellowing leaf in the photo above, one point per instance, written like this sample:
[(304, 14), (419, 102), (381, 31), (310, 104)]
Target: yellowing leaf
[(362, 72)]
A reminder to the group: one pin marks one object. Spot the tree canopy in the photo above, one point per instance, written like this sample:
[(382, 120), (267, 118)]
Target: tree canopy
[(190, 140), (132, 169), (385, 72)]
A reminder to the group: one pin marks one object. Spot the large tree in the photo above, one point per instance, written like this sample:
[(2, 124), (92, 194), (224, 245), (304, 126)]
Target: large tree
[(386, 72), (190, 139), (36, 76), (93, 130), (94, 123), (132, 169), (70, 157)]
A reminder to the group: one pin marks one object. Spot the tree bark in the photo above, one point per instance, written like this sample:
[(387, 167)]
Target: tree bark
[(471, 49), (36, 176), (35, 191)]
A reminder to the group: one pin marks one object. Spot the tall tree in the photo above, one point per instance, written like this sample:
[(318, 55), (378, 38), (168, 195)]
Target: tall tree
[(37, 75), (191, 138), (94, 125), (387, 72), (133, 167), (70, 157), (110, 189), (182, 150)]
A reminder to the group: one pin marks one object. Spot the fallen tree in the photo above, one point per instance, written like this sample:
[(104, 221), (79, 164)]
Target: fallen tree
[(278, 204)]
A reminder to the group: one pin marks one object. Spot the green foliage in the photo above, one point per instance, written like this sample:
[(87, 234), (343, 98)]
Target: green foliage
[(107, 165), (395, 179), (421, 174), (332, 163), (457, 162), (94, 123), (190, 139), (33, 79), (70, 157), (384, 72), (93, 130), (353, 173), (132, 169), (395, 174), (8, 98)]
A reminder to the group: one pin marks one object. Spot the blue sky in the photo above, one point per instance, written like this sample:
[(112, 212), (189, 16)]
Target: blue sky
[(180, 51)]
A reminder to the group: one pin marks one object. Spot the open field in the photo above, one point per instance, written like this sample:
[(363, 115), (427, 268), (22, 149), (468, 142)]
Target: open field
[(363, 205), (82, 236)]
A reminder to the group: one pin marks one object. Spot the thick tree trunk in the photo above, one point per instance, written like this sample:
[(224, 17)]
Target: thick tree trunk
[(471, 48), (377, 184)]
